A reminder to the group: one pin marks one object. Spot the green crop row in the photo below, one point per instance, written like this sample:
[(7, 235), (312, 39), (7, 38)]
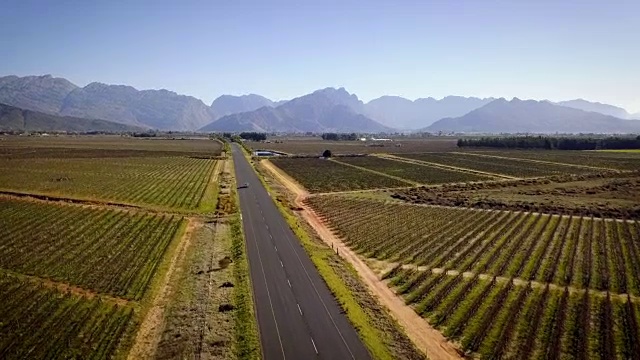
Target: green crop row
[(108, 251)]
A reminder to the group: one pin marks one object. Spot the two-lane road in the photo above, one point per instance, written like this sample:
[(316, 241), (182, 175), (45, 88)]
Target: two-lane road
[(298, 318)]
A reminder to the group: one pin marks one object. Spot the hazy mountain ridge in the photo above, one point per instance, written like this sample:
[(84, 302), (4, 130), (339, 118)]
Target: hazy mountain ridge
[(231, 104), (601, 108), (325, 110), (39, 93), (16, 119), (161, 109), (518, 116), (401, 113)]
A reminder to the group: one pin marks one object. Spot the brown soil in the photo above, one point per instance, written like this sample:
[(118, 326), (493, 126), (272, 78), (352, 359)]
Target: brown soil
[(149, 333), (425, 337)]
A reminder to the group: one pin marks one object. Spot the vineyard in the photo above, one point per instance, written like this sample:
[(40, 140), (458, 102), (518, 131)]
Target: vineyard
[(315, 146), (172, 182), (487, 278), (44, 323), (108, 251), (319, 175), (423, 174), (607, 160), (502, 166)]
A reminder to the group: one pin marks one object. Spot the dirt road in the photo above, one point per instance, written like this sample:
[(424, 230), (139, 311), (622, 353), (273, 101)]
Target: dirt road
[(425, 337)]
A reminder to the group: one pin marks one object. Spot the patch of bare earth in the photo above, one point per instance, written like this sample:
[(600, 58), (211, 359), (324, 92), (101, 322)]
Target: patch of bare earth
[(199, 323), (148, 334), (425, 337)]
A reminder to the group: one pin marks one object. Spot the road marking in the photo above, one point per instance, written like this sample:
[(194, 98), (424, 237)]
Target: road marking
[(314, 346), (289, 282), (281, 264), (326, 309), (300, 310), (270, 237), (264, 276), (275, 247)]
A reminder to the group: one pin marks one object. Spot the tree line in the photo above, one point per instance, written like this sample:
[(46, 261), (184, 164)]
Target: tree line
[(339, 137), (550, 142)]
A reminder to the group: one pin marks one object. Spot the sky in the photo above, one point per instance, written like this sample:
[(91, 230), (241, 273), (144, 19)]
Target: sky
[(556, 50)]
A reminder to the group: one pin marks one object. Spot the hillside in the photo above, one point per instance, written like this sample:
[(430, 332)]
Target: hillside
[(230, 104), (518, 116), (38, 93), (158, 109), (161, 109), (601, 108), (326, 110), (401, 113), (16, 119)]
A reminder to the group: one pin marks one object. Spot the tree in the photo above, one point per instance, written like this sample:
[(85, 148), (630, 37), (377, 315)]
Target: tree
[(326, 154)]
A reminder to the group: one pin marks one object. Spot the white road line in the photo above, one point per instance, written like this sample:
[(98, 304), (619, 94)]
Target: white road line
[(326, 309), (275, 247), (270, 236), (264, 276), (299, 309), (314, 346), (281, 264), (289, 282)]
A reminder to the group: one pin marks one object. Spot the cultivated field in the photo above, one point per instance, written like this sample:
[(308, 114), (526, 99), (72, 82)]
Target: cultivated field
[(315, 146), (319, 175), (620, 160), (138, 177), (488, 278), (609, 194), (422, 174), (107, 251), (501, 166), (41, 322), (80, 268)]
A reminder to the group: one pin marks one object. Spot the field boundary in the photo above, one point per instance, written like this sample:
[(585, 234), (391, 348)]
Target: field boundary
[(448, 167)]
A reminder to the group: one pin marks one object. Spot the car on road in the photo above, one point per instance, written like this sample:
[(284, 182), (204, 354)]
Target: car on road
[(243, 186)]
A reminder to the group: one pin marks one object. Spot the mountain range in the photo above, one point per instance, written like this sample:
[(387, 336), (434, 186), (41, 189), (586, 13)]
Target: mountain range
[(530, 116), (326, 110), (16, 119)]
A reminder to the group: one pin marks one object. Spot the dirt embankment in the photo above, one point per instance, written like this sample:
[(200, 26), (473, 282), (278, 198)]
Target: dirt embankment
[(425, 337)]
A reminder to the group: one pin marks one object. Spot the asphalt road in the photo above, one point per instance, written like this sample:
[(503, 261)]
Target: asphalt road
[(298, 318)]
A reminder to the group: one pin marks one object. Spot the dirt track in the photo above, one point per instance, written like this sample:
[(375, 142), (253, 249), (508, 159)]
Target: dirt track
[(425, 337)]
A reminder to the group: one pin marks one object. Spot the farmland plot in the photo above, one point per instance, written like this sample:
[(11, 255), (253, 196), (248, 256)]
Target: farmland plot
[(606, 159), (103, 250), (172, 182), (503, 166), (319, 175), (487, 278), (44, 323), (413, 172)]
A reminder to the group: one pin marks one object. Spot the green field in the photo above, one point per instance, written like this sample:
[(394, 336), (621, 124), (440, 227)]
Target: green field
[(315, 145), (44, 323), (501, 166), (319, 175), (413, 172), (112, 252), (620, 160), (446, 260)]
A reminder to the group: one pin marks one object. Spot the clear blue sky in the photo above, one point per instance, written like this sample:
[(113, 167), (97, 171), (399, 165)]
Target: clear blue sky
[(554, 50)]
